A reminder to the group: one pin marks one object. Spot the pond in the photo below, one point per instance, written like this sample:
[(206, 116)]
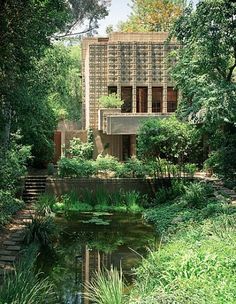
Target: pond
[(90, 242)]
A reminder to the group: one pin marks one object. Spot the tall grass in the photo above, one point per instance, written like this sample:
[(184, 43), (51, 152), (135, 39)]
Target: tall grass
[(196, 262), (106, 288), (23, 286)]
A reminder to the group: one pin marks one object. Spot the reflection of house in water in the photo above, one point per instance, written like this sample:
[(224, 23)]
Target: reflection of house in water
[(94, 261)]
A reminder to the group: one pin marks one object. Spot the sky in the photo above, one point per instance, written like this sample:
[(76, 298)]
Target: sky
[(119, 11)]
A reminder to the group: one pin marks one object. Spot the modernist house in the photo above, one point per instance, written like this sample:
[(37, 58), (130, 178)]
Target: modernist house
[(134, 66)]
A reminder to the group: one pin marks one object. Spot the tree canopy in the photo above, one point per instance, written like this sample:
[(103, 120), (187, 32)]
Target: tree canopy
[(206, 62), (26, 31), (152, 15), (204, 73), (167, 138)]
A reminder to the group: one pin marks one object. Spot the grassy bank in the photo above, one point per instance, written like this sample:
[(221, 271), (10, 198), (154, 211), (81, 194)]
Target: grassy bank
[(196, 260)]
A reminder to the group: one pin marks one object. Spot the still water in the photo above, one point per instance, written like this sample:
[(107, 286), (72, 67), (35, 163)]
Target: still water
[(90, 242)]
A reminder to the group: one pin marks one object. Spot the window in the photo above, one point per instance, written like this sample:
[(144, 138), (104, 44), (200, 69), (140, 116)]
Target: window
[(157, 99), (112, 90), (171, 100), (126, 95), (141, 99)]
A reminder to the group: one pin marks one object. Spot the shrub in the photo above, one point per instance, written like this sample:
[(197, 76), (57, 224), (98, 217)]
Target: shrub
[(190, 169), (133, 167), (196, 194), (13, 164), (8, 206), (110, 101), (81, 150), (106, 164), (45, 204), (71, 167), (41, 230)]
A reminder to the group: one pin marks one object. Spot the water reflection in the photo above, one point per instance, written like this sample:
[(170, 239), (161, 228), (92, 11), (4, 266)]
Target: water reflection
[(89, 243)]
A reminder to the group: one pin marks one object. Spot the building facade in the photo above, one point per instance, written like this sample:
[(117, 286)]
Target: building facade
[(135, 66)]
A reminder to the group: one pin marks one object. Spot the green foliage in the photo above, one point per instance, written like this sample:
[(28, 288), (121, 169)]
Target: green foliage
[(168, 138), (71, 167), (204, 73), (41, 230), (25, 286), (51, 169), (13, 163), (152, 15), (106, 288), (81, 150), (223, 160), (44, 204), (188, 268), (166, 194), (8, 206), (32, 75), (71, 202), (88, 201), (59, 72), (197, 194), (106, 164), (133, 167), (110, 101)]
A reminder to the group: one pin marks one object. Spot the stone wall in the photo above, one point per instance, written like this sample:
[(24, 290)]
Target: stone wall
[(60, 186)]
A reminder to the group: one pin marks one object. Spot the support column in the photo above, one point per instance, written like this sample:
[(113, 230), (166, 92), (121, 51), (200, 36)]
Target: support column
[(149, 75), (165, 79), (134, 77)]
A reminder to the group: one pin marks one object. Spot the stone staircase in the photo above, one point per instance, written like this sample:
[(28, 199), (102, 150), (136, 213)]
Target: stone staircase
[(34, 187), (12, 236)]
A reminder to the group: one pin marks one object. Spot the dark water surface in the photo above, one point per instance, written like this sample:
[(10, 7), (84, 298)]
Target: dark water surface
[(90, 242)]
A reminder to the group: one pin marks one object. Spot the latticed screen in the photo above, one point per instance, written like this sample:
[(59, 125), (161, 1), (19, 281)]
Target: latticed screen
[(141, 99), (126, 95), (171, 99), (157, 99)]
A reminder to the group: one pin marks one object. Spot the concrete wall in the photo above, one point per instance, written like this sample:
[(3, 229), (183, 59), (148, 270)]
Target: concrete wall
[(59, 186)]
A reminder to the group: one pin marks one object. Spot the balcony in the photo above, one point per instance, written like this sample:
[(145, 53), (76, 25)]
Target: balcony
[(113, 122)]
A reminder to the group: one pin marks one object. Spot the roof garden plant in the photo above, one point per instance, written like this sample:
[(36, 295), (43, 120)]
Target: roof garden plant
[(110, 101)]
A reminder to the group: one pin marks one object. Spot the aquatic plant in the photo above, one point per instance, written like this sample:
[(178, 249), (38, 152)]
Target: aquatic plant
[(45, 204), (41, 230), (24, 286), (106, 288)]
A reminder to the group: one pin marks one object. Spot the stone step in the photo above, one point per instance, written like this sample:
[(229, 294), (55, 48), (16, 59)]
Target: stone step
[(31, 195), (24, 216), (10, 243), (37, 176), (36, 186), (32, 191), (7, 258), (13, 248), (6, 252)]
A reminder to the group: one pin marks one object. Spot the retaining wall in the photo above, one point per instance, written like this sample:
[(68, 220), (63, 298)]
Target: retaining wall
[(59, 186)]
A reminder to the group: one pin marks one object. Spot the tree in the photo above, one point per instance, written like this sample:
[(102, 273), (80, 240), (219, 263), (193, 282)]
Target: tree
[(167, 138), (26, 29), (152, 15), (205, 68), (59, 75)]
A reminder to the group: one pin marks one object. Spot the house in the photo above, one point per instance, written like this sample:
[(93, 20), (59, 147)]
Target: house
[(133, 65)]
